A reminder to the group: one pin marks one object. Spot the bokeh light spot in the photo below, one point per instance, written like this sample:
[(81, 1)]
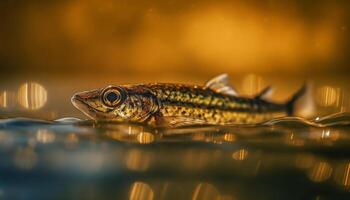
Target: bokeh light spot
[(138, 160), (327, 96), (342, 176), (25, 158), (45, 136), (205, 191), (3, 99), (71, 140), (252, 84), (320, 172), (141, 191), (145, 137), (240, 154), (32, 96), (230, 137)]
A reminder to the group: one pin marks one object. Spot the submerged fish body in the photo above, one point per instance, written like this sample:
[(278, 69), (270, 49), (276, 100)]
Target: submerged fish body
[(163, 104)]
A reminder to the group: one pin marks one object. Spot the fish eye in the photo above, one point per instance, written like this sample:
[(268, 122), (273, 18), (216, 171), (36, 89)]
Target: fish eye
[(111, 97)]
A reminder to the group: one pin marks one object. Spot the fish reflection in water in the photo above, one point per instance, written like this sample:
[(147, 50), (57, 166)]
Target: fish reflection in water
[(126, 161)]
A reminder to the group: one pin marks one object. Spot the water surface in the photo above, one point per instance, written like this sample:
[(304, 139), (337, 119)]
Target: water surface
[(288, 158)]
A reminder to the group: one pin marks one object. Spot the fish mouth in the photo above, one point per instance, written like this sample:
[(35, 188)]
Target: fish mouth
[(80, 103)]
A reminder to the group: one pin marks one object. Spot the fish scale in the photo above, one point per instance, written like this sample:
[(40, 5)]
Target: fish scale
[(212, 107), (169, 104)]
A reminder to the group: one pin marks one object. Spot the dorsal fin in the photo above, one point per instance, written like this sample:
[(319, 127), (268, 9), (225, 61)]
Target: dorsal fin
[(220, 84), (265, 93)]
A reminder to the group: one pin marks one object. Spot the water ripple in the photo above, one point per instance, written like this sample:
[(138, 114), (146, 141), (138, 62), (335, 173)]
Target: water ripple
[(338, 119)]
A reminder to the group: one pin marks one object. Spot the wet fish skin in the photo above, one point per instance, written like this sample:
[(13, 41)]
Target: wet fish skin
[(184, 104), (163, 104)]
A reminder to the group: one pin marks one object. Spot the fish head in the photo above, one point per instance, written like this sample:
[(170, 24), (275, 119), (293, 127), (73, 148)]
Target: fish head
[(116, 103)]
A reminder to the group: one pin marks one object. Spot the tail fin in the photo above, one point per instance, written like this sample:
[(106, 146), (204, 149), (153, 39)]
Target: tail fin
[(301, 101)]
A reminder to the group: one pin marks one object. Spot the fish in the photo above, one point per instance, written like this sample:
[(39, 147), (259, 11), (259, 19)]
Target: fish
[(176, 105)]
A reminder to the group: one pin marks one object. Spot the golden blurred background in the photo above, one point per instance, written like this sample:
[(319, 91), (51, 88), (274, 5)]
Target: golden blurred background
[(51, 49)]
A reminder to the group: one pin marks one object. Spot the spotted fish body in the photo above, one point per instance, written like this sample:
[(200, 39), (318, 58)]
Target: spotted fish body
[(163, 104), (204, 104)]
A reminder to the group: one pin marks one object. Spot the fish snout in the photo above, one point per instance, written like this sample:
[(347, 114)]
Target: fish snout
[(79, 100), (86, 102)]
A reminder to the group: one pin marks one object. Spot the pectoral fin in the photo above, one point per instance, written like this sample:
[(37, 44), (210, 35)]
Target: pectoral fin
[(178, 121), (220, 84)]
